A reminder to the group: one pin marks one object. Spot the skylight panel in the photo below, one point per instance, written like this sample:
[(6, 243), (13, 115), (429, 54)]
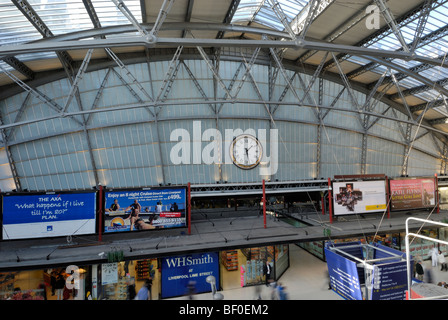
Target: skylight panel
[(110, 15), (249, 10), (14, 27), (62, 16)]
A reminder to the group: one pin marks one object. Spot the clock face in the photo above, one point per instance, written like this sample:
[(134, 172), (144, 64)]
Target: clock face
[(246, 151)]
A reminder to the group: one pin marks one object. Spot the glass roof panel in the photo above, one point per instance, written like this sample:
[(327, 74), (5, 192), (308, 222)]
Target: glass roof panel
[(436, 73), (249, 10), (110, 15), (442, 110), (268, 18), (62, 16), (435, 49), (14, 27), (429, 95), (409, 83), (36, 56), (5, 66)]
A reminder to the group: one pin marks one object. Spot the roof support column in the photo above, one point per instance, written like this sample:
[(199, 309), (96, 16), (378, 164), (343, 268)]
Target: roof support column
[(406, 151), (444, 157)]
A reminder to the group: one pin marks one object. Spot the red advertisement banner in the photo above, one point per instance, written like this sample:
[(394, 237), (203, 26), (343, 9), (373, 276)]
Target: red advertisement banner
[(412, 193)]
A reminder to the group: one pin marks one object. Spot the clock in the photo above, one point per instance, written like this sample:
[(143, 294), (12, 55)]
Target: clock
[(246, 151)]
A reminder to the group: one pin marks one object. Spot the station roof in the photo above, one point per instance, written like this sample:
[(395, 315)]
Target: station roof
[(402, 58)]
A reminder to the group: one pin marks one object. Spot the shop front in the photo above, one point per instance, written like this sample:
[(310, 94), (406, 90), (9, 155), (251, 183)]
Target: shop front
[(71, 283), (246, 267), (168, 277)]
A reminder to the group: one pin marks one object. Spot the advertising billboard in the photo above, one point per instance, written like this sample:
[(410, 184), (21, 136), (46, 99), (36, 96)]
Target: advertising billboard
[(180, 273), (357, 197), (48, 215), (145, 209), (412, 193)]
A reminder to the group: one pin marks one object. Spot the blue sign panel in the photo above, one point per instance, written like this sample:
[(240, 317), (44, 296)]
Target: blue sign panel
[(389, 281), (181, 272), (145, 209), (344, 277), (47, 215)]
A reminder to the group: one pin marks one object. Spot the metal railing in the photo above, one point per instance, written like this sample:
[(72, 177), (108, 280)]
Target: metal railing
[(408, 260)]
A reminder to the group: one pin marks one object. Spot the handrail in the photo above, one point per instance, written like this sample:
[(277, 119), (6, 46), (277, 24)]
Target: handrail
[(408, 260)]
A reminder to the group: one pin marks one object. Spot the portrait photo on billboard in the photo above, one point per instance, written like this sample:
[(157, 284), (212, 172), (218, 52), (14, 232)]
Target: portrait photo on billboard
[(410, 193), (356, 197), (48, 215), (149, 209)]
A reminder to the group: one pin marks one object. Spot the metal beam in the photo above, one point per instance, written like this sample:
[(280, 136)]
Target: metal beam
[(43, 98), (407, 151), (187, 15), (199, 102), (258, 91), (212, 117), (431, 37), (403, 20), (246, 74), (92, 13), (443, 162), (7, 50), (400, 76), (409, 73), (388, 16), (128, 73), (251, 20), (20, 66), (426, 11), (400, 94), (304, 68), (170, 75), (275, 6), (29, 13), (198, 86), (143, 9), (163, 13), (99, 94), (299, 23), (79, 75), (128, 14), (216, 75), (350, 91), (229, 16), (412, 91), (313, 12), (339, 31), (167, 26)]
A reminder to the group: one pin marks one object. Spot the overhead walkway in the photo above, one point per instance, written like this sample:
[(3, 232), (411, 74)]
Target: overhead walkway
[(211, 231)]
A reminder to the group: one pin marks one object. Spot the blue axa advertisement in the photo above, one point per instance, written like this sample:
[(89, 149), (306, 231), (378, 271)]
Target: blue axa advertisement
[(48, 215), (188, 272), (145, 209)]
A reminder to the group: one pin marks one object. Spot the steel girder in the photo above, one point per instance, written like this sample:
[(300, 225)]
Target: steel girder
[(155, 42)]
